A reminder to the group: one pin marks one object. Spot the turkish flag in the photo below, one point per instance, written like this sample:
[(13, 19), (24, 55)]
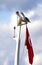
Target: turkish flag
[(28, 44)]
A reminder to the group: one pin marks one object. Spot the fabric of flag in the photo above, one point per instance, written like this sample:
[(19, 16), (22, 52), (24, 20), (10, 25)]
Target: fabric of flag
[(28, 44)]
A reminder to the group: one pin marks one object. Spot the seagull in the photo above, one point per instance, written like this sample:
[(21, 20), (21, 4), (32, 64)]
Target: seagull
[(22, 18), (25, 19), (18, 14)]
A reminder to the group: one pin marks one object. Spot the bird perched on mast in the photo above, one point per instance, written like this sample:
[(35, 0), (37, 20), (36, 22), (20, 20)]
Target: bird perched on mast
[(25, 19), (18, 14), (22, 19)]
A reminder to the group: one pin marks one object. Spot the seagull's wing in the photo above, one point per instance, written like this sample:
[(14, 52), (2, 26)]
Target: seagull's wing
[(27, 19), (22, 14)]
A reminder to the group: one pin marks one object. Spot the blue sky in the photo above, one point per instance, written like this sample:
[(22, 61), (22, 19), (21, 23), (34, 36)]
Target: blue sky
[(33, 10), (4, 16)]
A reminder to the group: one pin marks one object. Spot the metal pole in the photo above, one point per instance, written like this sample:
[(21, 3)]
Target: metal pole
[(18, 46)]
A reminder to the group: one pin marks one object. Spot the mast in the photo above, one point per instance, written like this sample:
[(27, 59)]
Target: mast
[(18, 51), (17, 54)]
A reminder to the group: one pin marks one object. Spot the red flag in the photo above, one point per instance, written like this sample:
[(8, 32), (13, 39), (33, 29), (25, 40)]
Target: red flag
[(29, 46)]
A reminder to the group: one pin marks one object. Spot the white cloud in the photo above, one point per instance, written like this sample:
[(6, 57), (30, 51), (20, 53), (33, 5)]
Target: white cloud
[(17, 4), (5, 63), (7, 43), (2, 53), (38, 59), (38, 10), (11, 4), (30, 14), (13, 20)]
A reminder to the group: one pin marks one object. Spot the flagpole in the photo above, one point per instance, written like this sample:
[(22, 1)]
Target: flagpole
[(18, 52), (18, 49)]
